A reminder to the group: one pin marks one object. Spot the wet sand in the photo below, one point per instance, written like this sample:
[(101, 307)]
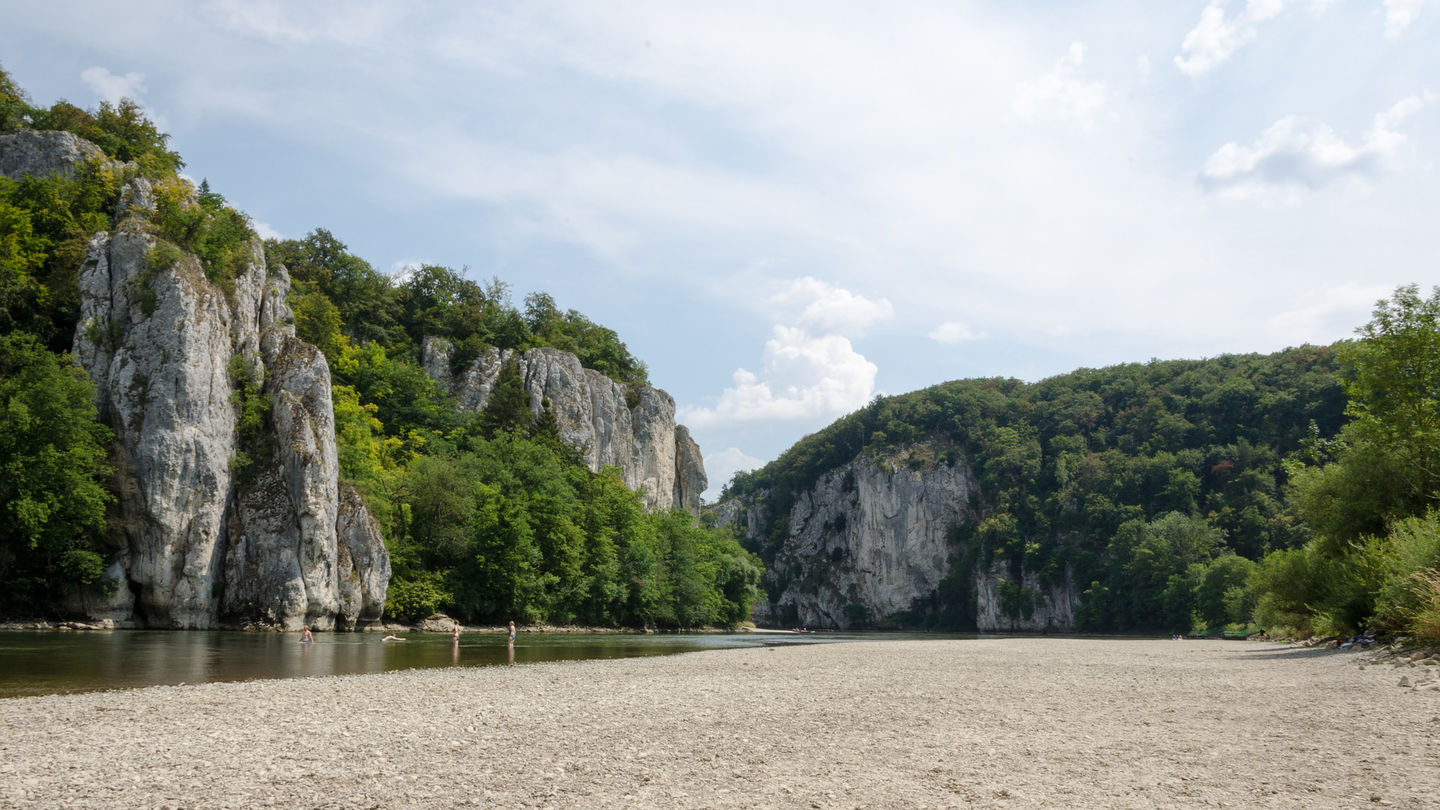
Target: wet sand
[(1031, 722)]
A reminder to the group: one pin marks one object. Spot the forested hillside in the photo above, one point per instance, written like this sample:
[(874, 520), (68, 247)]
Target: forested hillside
[(1174, 495), (488, 516)]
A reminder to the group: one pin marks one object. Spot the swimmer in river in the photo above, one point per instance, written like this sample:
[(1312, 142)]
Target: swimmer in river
[(305, 637), (455, 632), (392, 637), (512, 632)]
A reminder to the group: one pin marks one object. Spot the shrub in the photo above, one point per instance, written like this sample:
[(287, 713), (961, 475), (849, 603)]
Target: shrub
[(1425, 620)]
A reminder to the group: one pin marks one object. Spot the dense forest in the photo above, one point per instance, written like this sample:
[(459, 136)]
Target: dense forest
[(487, 516), (1290, 492)]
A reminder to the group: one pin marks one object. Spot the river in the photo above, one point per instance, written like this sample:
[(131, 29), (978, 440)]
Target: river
[(41, 663)]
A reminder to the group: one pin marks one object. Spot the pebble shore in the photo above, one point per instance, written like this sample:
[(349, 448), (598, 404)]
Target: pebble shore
[(994, 722)]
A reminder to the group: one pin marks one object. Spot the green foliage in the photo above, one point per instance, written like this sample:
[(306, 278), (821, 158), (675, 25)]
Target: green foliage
[(45, 225), (1392, 376), (15, 109), (437, 302), (1368, 496), (513, 528), (252, 407), (201, 223), (121, 130), (1425, 621), (1408, 557), (53, 471), (416, 598)]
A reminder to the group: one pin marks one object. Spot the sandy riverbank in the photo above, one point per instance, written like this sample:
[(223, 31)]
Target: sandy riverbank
[(989, 723)]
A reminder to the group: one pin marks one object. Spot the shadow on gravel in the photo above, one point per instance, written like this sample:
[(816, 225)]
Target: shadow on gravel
[(1296, 653)]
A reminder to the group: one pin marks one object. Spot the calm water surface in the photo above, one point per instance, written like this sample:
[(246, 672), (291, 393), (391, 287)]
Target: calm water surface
[(35, 663)]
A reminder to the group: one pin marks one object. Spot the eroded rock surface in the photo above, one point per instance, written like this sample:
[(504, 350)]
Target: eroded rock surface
[(871, 540), (43, 153)]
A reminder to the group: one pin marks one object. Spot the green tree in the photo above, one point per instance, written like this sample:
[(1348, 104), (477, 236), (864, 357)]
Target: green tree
[(53, 473), (1392, 376)]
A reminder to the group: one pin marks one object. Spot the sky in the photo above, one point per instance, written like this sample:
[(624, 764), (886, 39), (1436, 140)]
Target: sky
[(786, 209)]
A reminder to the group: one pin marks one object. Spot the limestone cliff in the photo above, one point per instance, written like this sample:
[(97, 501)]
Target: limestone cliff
[(199, 540), (43, 153), (872, 540), (633, 430)]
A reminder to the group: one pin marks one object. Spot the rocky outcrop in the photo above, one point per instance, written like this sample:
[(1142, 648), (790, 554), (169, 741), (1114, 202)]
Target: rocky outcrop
[(690, 478), (43, 153), (871, 541), (631, 429), (201, 539), (1037, 607)]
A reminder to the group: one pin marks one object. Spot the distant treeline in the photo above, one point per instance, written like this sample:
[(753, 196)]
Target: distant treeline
[(487, 516), (1290, 491)]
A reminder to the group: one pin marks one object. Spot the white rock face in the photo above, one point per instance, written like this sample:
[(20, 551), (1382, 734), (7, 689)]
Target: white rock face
[(43, 153), (196, 547), (157, 346), (870, 540), (867, 542), (1050, 608), (655, 456)]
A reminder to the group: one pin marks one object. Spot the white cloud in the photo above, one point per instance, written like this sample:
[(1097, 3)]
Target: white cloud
[(1399, 14), (112, 88), (804, 377), (1215, 39), (264, 230), (401, 271), (954, 332), (290, 24), (1334, 310), (1060, 91), (1296, 153), (721, 466), (826, 309)]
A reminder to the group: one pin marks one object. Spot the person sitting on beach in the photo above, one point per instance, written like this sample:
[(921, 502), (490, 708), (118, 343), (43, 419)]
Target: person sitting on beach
[(392, 637), (305, 637)]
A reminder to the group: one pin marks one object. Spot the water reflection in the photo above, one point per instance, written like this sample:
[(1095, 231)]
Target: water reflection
[(45, 663)]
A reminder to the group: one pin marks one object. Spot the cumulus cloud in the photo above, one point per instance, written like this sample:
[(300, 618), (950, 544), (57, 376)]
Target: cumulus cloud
[(1296, 153), (804, 376), (1399, 14), (1061, 91), (824, 308), (110, 87), (721, 467), (954, 332), (1216, 38), (810, 369)]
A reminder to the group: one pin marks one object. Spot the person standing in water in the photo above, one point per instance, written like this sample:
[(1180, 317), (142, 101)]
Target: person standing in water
[(455, 632), (305, 637), (512, 631)]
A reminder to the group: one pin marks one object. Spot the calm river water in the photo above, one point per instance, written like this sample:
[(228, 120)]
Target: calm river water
[(41, 663)]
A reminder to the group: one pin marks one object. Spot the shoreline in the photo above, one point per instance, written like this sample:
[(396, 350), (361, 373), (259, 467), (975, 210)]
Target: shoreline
[(1015, 722)]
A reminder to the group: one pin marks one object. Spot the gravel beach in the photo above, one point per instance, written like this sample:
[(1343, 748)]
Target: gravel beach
[(1004, 722)]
